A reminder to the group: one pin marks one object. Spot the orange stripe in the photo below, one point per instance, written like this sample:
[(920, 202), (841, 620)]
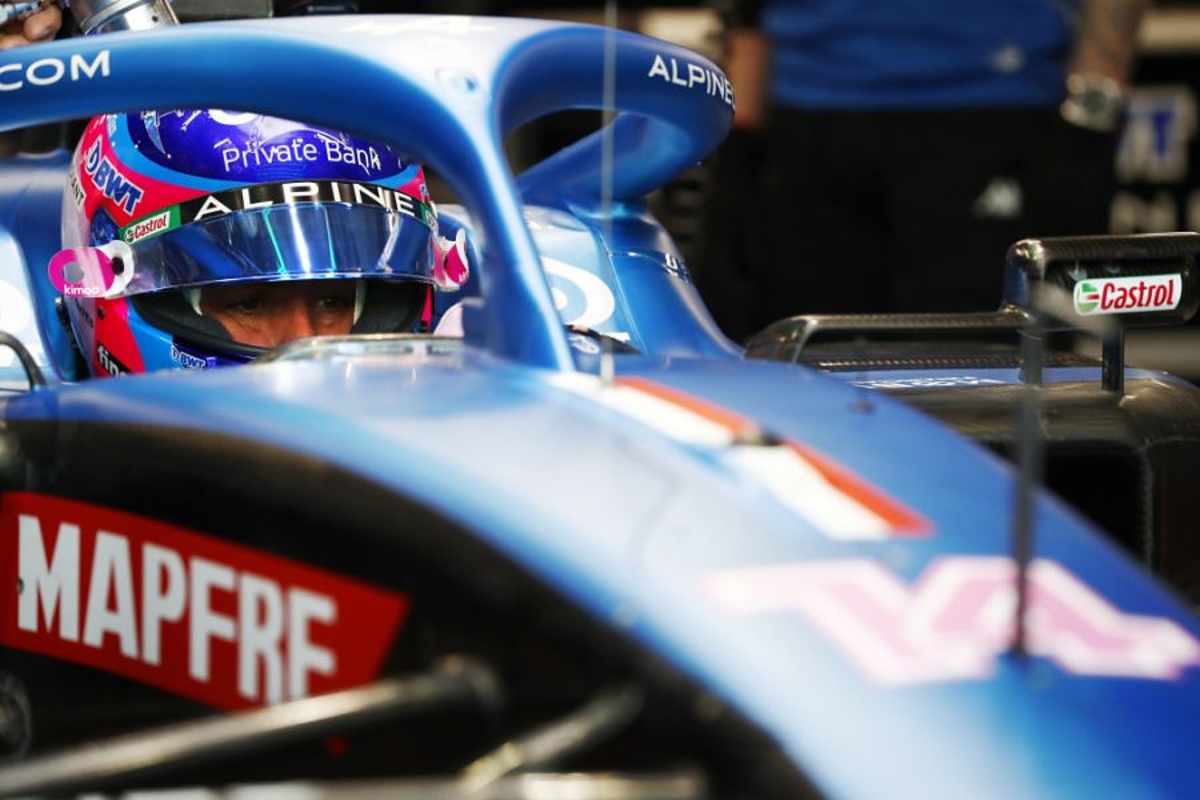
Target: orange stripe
[(734, 423), (903, 520)]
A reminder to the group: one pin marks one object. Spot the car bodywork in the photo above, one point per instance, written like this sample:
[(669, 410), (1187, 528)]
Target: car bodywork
[(1119, 444), (621, 550)]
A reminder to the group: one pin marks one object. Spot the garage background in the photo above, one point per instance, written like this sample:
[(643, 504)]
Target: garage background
[(1156, 162)]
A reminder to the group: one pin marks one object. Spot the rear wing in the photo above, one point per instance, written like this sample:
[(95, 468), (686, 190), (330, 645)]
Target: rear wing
[(1099, 285)]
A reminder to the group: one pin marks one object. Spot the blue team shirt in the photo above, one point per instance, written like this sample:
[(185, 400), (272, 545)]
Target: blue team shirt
[(918, 53)]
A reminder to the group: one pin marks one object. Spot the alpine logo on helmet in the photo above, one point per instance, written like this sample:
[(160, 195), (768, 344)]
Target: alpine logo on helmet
[(268, 195), (205, 201)]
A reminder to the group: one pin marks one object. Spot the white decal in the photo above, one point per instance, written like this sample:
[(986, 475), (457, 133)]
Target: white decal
[(946, 382), (49, 71), (164, 576), (454, 25), (51, 586), (957, 619), (232, 118), (16, 314), (77, 195), (135, 597), (112, 576), (830, 498), (331, 150), (1156, 137), (690, 76), (598, 300)]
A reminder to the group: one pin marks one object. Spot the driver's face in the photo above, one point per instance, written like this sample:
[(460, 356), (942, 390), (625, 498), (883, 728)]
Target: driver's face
[(270, 314)]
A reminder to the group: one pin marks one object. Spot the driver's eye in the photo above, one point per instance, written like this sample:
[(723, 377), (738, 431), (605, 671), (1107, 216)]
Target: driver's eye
[(247, 305), (333, 302)]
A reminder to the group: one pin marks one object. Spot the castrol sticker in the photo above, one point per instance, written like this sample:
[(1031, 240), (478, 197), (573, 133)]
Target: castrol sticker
[(151, 225), (190, 613), (1128, 295)]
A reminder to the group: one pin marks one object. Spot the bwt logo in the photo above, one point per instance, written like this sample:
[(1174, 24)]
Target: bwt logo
[(110, 181), (49, 71)]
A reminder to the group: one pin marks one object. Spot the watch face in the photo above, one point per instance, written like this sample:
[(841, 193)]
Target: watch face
[(1097, 101), (1094, 102)]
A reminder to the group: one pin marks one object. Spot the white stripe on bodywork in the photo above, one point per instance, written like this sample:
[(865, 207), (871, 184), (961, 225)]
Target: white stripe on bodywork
[(780, 469)]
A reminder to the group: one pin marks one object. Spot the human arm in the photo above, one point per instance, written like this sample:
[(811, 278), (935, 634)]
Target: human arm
[(746, 59), (1071, 180), (746, 66), (1102, 60), (38, 27)]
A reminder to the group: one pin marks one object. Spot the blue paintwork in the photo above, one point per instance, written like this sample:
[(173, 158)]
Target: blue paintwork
[(30, 203), (614, 514)]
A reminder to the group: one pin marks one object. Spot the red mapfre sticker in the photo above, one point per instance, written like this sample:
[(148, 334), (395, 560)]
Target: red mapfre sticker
[(189, 613)]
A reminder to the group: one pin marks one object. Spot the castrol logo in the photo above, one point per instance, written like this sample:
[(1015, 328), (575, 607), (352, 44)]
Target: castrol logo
[(1128, 295), (148, 227)]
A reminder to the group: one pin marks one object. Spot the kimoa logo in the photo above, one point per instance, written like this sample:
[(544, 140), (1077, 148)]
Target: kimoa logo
[(1128, 295)]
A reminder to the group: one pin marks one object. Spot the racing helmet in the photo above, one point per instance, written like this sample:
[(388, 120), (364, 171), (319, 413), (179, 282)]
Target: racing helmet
[(160, 205)]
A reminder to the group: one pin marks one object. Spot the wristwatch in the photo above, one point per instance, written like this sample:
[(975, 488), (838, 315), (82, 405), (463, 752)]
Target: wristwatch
[(1095, 102)]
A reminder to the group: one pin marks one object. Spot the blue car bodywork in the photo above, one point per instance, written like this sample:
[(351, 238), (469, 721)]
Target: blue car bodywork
[(814, 584)]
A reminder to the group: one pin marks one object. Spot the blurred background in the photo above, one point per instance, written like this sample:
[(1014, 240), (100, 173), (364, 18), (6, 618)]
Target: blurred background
[(1157, 160)]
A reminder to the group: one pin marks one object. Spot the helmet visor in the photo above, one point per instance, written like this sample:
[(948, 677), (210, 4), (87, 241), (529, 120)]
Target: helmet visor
[(257, 234)]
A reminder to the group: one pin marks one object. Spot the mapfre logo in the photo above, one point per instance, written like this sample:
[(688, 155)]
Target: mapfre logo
[(193, 614), (1127, 295)]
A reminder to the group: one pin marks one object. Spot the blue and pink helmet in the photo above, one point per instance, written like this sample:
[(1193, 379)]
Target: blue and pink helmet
[(160, 204)]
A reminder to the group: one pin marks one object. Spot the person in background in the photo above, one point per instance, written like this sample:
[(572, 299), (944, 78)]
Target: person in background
[(41, 26), (884, 155)]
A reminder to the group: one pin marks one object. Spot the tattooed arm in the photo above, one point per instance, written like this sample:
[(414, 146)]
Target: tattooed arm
[(1107, 37), (1101, 64)]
